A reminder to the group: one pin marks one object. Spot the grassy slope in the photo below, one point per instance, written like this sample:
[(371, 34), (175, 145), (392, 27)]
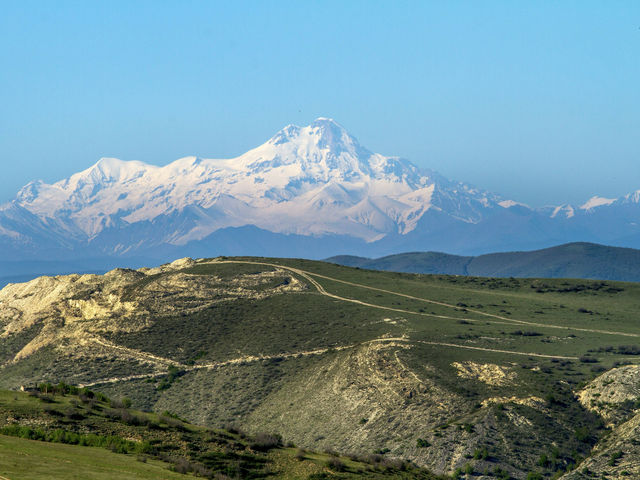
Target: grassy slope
[(209, 452), (321, 400), (573, 260), (32, 459)]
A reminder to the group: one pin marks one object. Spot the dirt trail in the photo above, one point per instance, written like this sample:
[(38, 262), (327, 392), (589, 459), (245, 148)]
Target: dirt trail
[(304, 353), (226, 363), (484, 349), (503, 320), (140, 355)]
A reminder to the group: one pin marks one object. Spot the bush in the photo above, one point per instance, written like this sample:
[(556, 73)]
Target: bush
[(266, 441), (172, 422), (481, 453), (123, 402), (173, 373), (184, 466), (588, 359), (501, 474), (72, 414), (582, 434), (543, 461), (335, 464), (528, 333), (422, 443), (394, 464), (614, 458)]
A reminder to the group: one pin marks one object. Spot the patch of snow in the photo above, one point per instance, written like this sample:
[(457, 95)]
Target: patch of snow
[(511, 203), (566, 210), (596, 201)]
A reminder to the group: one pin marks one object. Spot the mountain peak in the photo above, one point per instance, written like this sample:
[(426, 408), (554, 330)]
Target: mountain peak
[(324, 134), (114, 169), (326, 122)]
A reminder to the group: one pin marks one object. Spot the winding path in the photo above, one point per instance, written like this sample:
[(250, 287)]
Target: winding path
[(500, 319), (304, 353)]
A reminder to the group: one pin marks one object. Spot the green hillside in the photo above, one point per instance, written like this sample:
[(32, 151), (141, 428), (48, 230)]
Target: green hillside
[(456, 374), (572, 260), (61, 432)]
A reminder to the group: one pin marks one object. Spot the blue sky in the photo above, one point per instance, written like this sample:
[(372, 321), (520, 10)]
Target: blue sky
[(538, 101)]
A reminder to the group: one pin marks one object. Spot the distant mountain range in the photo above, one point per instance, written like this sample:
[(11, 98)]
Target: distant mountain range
[(572, 260), (308, 192)]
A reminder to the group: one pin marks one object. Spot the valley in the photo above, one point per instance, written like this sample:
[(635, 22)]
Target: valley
[(499, 377)]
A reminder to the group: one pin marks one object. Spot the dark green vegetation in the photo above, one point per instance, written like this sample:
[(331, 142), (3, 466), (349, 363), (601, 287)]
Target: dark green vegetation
[(462, 375), (152, 445), (572, 260)]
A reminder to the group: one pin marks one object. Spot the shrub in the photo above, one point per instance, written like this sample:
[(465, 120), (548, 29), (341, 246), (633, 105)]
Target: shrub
[(52, 411), (266, 441), (501, 474), (551, 399), (335, 464), (394, 464), (588, 359), (172, 422), (481, 453), (73, 414), (582, 434), (123, 402), (184, 466), (173, 373), (613, 459), (422, 443)]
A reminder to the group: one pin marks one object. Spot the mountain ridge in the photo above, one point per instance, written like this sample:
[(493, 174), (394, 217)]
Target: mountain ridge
[(315, 181), (571, 260)]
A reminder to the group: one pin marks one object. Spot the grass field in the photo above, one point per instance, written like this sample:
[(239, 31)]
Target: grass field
[(31, 459)]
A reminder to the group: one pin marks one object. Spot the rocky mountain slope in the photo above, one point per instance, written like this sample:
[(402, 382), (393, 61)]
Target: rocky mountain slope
[(309, 191), (477, 374)]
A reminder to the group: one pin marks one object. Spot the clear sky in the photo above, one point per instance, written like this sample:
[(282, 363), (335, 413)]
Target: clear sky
[(538, 101)]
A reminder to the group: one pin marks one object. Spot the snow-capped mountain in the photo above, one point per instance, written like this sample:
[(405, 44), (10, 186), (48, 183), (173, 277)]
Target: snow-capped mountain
[(310, 190)]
